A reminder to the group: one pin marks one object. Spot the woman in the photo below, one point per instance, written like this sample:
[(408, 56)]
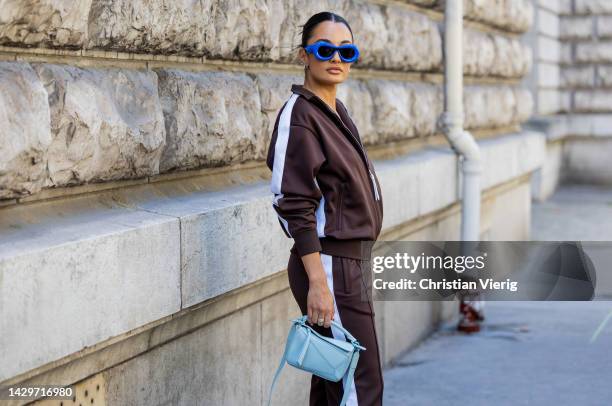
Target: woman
[(328, 199)]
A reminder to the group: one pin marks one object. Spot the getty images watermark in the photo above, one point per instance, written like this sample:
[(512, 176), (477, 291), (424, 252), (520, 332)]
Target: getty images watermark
[(498, 270), (459, 264)]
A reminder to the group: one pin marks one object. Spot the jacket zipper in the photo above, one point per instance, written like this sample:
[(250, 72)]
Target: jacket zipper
[(376, 195), (363, 154)]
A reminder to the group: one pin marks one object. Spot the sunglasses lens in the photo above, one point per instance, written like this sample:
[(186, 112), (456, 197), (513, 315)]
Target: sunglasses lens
[(326, 51), (347, 53)]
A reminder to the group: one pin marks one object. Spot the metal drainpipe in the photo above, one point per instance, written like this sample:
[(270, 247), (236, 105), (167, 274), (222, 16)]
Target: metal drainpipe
[(461, 141)]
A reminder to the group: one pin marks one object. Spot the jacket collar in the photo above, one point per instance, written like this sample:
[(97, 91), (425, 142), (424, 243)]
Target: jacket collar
[(301, 90), (341, 115)]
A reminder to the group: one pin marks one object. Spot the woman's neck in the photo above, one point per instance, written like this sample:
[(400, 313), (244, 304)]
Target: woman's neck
[(326, 93)]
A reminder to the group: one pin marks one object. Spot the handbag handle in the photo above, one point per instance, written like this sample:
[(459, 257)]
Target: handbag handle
[(349, 336)]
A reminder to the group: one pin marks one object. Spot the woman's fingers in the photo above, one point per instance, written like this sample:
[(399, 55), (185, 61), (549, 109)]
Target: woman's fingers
[(320, 306), (328, 318), (316, 316)]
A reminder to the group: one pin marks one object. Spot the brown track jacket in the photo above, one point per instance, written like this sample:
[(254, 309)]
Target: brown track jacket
[(326, 193)]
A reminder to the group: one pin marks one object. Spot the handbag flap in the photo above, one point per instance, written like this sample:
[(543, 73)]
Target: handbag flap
[(343, 344)]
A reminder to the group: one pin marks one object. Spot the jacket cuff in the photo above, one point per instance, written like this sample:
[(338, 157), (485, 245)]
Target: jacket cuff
[(307, 242)]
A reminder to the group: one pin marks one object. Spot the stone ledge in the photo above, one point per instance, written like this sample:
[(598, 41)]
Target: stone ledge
[(103, 256), (560, 126)]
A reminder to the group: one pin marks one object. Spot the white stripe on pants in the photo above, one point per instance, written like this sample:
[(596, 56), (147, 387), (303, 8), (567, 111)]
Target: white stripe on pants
[(339, 335)]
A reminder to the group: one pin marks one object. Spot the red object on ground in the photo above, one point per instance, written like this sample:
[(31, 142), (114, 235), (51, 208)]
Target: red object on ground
[(470, 318)]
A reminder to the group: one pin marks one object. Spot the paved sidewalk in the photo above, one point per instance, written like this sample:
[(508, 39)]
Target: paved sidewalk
[(574, 213), (528, 353)]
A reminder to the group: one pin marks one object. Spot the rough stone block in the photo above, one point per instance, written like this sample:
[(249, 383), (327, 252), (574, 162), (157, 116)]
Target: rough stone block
[(577, 76), (604, 76), (106, 123), (495, 106), (478, 53), (576, 27), (47, 23), (153, 27), (492, 54), (212, 119), (594, 52), (512, 59), (604, 26), (509, 15), (25, 132), (392, 102), (593, 101), (593, 6), (414, 43), (403, 110)]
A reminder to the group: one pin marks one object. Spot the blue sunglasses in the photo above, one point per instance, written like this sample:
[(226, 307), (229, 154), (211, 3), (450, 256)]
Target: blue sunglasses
[(324, 51)]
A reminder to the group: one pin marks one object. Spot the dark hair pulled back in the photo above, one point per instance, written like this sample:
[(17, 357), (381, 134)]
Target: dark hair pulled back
[(318, 18)]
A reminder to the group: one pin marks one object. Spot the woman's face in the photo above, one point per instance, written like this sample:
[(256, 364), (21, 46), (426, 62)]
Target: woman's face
[(321, 71)]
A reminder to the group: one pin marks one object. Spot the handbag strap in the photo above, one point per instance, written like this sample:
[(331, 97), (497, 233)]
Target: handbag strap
[(278, 371), (347, 379)]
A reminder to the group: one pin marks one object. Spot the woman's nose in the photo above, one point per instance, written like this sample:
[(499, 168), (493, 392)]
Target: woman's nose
[(336, 56)]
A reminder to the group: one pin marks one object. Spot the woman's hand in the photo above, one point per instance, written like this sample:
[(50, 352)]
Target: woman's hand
[(320, 301)]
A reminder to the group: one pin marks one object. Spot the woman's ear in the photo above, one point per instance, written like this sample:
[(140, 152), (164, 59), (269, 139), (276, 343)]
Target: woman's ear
[(303, 55)]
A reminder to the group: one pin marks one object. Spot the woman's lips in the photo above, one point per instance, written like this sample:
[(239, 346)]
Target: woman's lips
[(334, 71)]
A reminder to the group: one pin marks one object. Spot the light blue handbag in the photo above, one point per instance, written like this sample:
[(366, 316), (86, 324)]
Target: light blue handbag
[(323, 356)]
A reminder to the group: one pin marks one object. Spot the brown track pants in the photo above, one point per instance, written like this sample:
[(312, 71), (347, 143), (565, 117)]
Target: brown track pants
[(354, 310)]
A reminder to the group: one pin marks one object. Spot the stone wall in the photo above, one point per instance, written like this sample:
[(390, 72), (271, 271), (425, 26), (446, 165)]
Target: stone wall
[(572, 83), (572, 43), (586, 74), (112, 90)]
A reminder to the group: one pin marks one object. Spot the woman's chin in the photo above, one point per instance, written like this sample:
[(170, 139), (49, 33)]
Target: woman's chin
[(332, 79)]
